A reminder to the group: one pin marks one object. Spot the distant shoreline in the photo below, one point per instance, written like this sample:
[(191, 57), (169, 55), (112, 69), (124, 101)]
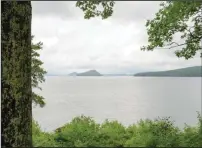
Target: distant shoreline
[(126, 76), (195, 71)]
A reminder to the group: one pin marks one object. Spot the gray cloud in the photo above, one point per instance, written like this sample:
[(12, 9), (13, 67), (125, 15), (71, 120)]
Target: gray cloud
[(110, 46), (135, 11), (54, 8), (138, 11)]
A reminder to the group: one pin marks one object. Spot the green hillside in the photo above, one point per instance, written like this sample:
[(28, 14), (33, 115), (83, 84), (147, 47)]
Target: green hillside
[(195, 71)]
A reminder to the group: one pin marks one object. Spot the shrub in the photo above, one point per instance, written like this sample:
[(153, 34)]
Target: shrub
[(160, 132), (42, 139), (84, 132), (81, 132), (192, 136), (112, 134)]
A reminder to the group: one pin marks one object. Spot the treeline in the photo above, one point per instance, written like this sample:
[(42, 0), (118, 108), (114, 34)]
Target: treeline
[(85, 132)]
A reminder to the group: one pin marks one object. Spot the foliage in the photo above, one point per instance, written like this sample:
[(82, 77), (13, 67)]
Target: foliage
[(148, 133), (93, 8), (84, 132), (37, 73), (173, 17), (176, 17), (191, 138), (81, 132), (112, 134), (41, 138)]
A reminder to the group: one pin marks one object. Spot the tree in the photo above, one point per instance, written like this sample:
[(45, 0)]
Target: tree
[(37, 73), (176, 17), (16, 102), (17, 77)]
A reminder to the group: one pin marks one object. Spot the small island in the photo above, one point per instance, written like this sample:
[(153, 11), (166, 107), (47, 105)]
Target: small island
[(195, 71), (87, 73)]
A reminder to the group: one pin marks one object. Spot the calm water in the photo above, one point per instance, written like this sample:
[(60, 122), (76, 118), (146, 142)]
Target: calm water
[(126, 99)]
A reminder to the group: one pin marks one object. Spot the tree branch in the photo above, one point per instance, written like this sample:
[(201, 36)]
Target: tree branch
[(178, 45), (172, 43)]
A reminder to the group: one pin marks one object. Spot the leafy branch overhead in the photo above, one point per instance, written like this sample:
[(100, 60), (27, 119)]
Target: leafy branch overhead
[(173, 17), (95, 8), (176, 17)]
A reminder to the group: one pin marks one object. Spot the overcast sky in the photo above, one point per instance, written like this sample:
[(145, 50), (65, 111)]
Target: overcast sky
[(72, 43)]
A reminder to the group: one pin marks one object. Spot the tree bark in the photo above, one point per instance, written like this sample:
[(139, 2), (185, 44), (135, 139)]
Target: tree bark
[(16, 103)]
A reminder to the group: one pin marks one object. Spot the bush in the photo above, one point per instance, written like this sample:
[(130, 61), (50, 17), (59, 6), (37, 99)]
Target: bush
[(42, 139), (111, 134), (148, 133), (192, 136), (81, 132), (84, 132)]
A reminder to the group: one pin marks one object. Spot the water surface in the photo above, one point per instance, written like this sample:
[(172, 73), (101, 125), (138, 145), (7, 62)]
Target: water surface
[(126, 99)]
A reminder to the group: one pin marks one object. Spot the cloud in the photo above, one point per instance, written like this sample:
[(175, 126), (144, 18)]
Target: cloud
[(138, 11), (72, 43), (53, 8)]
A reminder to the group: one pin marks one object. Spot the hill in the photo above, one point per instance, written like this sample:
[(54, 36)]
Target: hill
[(87, 73), (195, 71), (117, 75)]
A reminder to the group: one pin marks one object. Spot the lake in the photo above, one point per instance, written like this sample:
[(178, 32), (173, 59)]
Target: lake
[(126, 99)]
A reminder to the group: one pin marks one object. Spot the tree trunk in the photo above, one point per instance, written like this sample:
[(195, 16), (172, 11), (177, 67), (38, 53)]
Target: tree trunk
[(16, 103)]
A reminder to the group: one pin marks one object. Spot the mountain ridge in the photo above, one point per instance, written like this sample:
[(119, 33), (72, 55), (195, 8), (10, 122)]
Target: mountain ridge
[(87, 73), (194, 71)]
